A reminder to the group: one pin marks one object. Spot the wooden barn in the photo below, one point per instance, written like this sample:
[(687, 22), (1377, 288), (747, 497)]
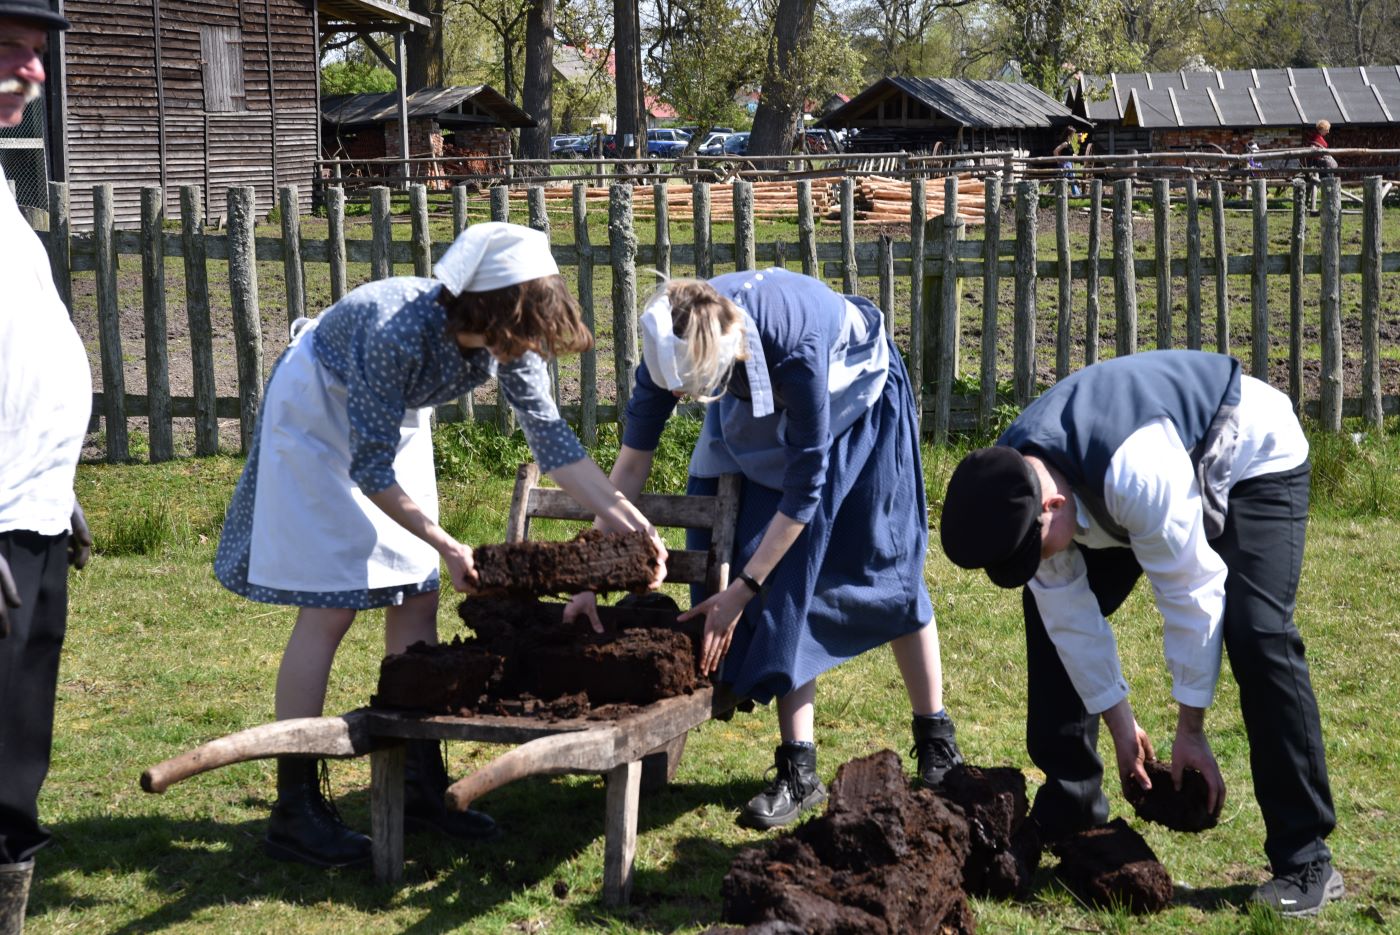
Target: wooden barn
[(925, 115), (1206, 110), (213, 93)]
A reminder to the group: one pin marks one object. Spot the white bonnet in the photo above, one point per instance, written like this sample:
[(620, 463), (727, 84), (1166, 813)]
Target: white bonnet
[(494, 255)]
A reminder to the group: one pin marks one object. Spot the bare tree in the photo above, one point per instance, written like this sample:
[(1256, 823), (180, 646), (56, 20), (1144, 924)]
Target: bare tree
[(425, 48), (538, 97), (780, 107), (506, 18)]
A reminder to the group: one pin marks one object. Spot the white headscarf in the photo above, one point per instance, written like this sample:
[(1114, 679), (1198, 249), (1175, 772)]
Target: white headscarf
[(493, 255), (666, 354)]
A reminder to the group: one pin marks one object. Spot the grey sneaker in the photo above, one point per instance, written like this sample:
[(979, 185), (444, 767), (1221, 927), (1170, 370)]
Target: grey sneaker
[(1302, 892)]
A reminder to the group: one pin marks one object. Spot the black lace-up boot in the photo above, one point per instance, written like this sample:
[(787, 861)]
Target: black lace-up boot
[(935, 748), (425, 783), (305, 825), (794, 788)]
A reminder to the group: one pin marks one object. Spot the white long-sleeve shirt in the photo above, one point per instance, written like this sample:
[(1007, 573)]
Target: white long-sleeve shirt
[(45, 385), (1151, 490)]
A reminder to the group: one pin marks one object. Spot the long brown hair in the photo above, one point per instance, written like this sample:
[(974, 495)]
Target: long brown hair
[(536, 315)]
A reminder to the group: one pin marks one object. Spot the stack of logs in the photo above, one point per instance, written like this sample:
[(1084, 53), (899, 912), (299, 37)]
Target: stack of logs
[(881, 200), (770, 200)]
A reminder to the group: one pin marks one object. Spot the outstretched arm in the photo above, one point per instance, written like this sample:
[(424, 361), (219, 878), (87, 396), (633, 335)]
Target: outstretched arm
[(401, 508)]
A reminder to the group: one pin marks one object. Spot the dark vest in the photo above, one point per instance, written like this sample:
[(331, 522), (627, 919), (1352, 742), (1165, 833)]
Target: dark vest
[(1082, 421)]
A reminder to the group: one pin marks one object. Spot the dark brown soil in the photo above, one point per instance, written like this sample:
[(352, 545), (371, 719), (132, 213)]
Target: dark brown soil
[(1005, 848), (1111, 866), (591, 561), (525, 660), (883, 859), (1181, 811)]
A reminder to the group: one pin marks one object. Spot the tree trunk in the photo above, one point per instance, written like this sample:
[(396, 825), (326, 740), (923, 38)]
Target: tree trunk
[(538, 90), (627, 45), (425, 49), (780, 106)]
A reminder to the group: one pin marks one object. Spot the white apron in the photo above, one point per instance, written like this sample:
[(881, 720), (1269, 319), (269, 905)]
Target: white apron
[(313, 528)]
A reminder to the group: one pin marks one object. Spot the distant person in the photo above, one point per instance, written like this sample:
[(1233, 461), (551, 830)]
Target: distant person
[(1067, 148), (1316, 137), (45, 402), (1176, 465)]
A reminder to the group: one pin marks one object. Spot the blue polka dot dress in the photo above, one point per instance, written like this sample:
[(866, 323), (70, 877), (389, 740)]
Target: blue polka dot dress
[(345, 415)]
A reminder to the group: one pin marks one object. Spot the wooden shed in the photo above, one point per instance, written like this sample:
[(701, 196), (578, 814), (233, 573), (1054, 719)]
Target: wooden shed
[(213, 93)]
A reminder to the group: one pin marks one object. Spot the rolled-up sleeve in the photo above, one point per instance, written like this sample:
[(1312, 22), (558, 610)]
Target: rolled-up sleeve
[(800, 381), (525, 384), (648, 408), (1082, 637)]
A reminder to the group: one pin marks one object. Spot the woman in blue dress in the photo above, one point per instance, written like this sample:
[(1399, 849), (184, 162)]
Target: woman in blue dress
[(808, 401), (336, 509)]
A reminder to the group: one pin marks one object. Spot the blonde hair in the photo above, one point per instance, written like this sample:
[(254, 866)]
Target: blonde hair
[(701, 317), (1323, 126)]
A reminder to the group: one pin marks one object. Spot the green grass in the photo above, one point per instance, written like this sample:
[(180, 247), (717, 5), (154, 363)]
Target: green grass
[(159, 659)]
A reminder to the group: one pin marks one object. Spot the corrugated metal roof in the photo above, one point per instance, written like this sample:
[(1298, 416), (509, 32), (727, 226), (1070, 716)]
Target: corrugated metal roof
[(1255, 97), (352, 109), (965, 101)]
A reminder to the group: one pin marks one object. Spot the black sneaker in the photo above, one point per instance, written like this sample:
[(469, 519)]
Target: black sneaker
[(1301, 892)]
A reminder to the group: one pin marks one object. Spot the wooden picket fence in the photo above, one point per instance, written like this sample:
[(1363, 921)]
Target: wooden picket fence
[(936, 259)]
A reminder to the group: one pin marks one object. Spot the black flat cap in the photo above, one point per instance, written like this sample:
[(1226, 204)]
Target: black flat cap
[(991, 516), (38, 12)]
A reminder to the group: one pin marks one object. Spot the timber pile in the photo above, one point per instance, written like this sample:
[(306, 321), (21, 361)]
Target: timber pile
[(881, 200), (770, 200)]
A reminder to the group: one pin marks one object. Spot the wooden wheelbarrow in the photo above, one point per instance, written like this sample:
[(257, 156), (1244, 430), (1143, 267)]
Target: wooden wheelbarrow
[(638, 749)]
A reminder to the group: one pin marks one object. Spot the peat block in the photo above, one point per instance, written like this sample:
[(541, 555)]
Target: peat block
[(1180, 811), (1111, 866), (524, 660), (1005, 848), (883, 859), (592, 561)]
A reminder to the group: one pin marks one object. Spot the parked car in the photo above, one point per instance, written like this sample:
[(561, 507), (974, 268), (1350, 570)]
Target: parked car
[(737, 145), (666, 143), (714, 143), (568, 146), (821, 141)]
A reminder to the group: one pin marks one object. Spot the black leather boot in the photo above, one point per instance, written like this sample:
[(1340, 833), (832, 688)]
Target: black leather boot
[(14, 895), (794, 789), (425, 783), (304, 826), (935, 749)]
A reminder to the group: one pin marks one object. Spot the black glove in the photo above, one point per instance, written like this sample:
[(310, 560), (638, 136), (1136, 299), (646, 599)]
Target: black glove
[(9, 596), (80, 541)]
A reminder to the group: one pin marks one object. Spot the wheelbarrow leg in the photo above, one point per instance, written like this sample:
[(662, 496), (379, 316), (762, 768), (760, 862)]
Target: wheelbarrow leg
[(620, 840), (386, 812)]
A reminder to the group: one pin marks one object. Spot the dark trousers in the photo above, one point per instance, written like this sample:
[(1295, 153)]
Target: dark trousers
[(28, 680), (1262, 546)]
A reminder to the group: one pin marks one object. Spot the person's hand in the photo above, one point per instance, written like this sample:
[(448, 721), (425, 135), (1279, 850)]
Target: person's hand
[(585, 603), (721, 612), (1131, 744), (661, 558), (9, 596), (1192, 749), (460, 569), (80, 540)]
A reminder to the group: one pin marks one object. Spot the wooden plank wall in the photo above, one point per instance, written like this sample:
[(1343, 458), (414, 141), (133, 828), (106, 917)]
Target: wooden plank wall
[(115, 109)]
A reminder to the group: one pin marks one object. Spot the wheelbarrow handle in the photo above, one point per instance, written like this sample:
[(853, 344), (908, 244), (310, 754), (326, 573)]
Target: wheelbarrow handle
[(575, 752)]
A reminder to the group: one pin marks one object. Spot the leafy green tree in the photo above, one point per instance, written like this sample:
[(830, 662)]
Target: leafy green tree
[(355, 77), (700, 55)]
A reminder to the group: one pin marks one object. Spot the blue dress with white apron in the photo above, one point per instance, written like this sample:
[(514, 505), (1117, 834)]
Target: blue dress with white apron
[(820, 422), (345, 415)]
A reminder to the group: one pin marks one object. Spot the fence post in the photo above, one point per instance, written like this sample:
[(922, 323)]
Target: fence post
[(500, 203), (918, 221), (381, 257), (539, 220), (459, 209), (162, 442), (850, 272), (1371, 409), (744, 250), (335, 234), (663, 228), (1296, 243), (1331, 375), (1161, 237), (291, 253), (1023, 335), (206, 420), (946, 362), (622, 238), (1193, 265), (700, 221), (1124, 275), (884, 253), (1222, 268), (247, 321), (991, 286), (1091, 285), (1062, 276), (109, 323), (61, 243), (807, 230), (588, 360), (1259, 282), (420, 243)]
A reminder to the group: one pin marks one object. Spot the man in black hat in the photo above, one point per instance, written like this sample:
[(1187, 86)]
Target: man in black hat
[(1173, 464), (45, 401)]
